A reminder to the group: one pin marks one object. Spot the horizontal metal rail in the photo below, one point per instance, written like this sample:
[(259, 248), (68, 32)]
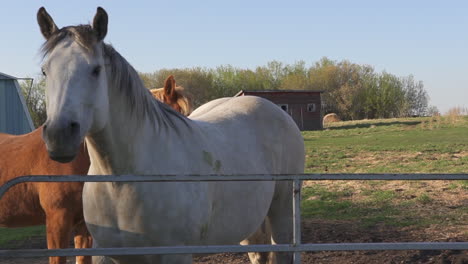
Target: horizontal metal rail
[(246, 177), (296, 247), (233, 249)]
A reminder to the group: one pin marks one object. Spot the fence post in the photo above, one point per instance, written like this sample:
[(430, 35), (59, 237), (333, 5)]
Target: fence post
[(297, 219)]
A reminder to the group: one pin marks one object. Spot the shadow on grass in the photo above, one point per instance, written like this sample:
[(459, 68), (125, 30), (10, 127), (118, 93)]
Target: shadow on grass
[(380, 124)]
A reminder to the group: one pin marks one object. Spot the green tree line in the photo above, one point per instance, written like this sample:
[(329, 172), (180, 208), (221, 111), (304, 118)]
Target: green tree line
[(351, 90)]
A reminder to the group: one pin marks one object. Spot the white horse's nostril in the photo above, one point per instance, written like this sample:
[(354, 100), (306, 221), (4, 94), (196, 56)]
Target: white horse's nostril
[(74, 127)]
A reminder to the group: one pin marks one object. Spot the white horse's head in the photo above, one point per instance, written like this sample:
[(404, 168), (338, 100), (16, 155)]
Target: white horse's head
[(76, 83)]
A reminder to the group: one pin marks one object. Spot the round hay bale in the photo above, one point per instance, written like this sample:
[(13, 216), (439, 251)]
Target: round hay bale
[(330, 118)]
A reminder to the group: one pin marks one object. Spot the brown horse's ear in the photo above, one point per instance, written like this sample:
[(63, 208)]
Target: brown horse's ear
[(100, 23), (46, 23), (169, 87)]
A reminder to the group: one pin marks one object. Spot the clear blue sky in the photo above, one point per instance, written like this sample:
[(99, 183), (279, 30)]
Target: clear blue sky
[(428, 39)]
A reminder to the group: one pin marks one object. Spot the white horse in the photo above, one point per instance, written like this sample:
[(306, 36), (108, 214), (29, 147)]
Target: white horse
[(94, 94)]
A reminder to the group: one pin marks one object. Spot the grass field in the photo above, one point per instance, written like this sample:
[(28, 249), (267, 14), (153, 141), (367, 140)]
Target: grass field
[(13, 237), (414, 145)]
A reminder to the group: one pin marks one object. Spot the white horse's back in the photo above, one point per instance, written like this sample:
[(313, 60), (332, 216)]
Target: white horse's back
[(249, 122)]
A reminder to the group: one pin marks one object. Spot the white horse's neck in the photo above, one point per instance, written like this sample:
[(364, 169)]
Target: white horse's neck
[(116, 149), (108, 147)]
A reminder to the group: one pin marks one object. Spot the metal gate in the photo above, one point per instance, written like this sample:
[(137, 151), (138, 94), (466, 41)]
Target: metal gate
[(297, 247)]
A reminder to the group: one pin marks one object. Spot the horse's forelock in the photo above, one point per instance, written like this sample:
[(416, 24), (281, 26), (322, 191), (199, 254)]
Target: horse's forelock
[(84, 35)]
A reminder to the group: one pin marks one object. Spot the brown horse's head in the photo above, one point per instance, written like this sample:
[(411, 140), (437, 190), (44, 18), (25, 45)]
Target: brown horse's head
[(173, 96)]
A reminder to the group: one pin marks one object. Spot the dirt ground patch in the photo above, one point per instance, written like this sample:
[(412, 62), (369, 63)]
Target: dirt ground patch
[(339, 232), (346, 232)]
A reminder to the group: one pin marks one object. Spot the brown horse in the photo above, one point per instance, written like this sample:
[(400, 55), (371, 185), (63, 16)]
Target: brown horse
[(173, 95), (58, 205)]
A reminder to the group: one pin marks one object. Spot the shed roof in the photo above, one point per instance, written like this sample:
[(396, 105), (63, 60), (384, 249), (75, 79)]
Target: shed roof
[(277, 91), (6, 76)]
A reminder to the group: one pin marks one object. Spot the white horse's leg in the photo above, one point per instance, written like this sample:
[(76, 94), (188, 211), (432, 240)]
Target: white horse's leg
[(175, 259), (102, 260), (281, 219), (261, 236)]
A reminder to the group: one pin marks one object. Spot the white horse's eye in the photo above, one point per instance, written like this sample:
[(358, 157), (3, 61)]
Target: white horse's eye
[(43, 72), (96, 71)]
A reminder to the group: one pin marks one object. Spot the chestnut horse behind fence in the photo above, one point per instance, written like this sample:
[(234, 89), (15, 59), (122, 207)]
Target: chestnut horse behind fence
[(57, 205), (173, 96)]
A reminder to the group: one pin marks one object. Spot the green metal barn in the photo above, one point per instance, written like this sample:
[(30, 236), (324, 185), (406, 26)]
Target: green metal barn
[(14, 114)]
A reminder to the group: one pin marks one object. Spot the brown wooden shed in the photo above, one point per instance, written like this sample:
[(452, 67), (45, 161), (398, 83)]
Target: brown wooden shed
[(302, 105)]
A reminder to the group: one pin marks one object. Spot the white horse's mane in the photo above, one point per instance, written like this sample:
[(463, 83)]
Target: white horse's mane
[(124, 76)]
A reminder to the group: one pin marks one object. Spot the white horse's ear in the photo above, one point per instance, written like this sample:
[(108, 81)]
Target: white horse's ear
[(100, 23), (46, 23)]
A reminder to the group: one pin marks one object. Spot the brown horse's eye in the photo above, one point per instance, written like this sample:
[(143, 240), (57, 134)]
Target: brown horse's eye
[(96, 71)]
